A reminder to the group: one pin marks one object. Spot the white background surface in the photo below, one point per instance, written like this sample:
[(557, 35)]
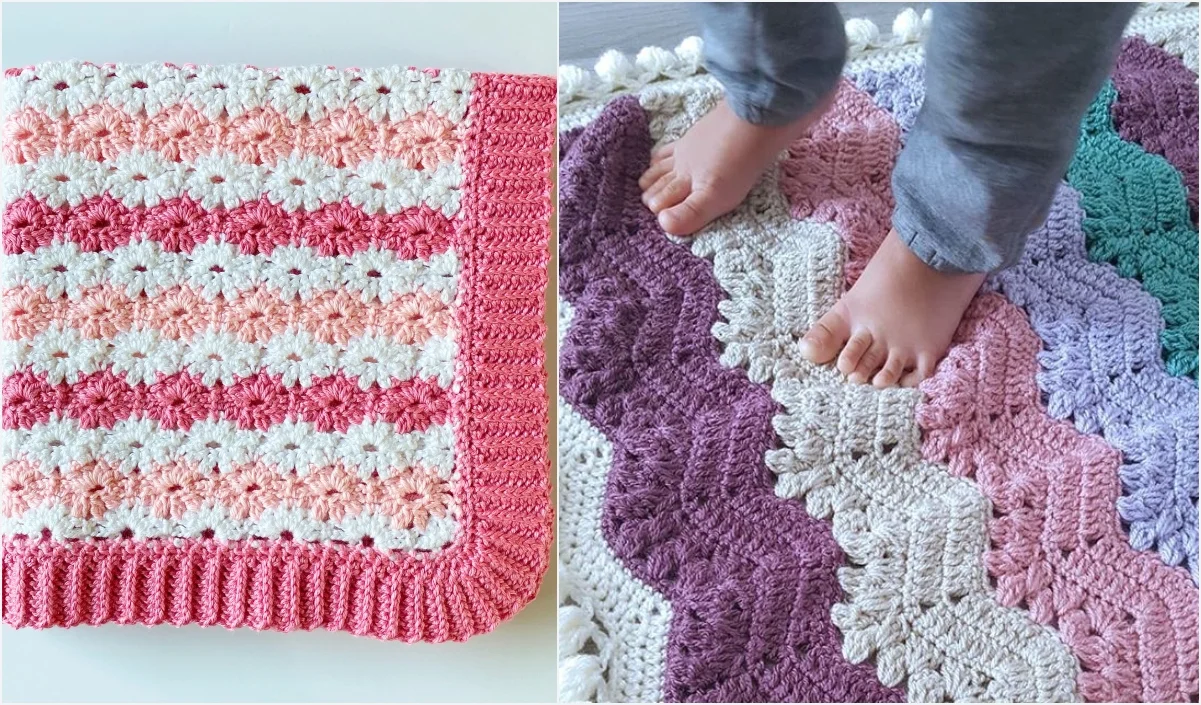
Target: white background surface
[(165, 664)]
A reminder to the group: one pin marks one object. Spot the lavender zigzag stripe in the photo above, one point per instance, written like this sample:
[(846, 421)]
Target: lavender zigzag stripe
[(690, 508), (1157, 108), (1104, 369)]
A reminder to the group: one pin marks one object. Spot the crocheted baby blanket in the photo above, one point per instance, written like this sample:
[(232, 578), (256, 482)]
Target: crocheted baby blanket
[(739, 525), (273, 347)]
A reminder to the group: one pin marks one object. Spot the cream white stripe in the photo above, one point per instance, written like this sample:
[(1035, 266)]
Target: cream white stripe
[(216, 266), (365, 448), (393, 92), (143, 178), (193, 525), (139, 356)]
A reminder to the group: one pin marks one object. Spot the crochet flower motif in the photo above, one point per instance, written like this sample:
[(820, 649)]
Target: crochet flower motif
[(261, 136), (63, 87), (232, 90), (144, 178), (28, 135), (100, 133), (303, 181), (144, 87), (181, 133), (298, 359), (423, 141), (342, 138), (307, 91), (412, 499)]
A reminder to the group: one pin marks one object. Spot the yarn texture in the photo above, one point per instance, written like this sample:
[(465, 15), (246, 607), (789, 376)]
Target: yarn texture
[(1023, 527), (272, 347)]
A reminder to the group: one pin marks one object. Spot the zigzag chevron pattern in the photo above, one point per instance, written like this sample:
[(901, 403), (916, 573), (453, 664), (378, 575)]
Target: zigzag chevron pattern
[(1014, 531)]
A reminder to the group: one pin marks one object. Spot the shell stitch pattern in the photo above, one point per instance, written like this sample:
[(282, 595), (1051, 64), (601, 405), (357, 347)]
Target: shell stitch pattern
[(272, 347)]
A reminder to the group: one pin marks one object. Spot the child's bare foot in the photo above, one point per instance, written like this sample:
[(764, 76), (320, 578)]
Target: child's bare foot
[(896, 322), (710, 170)]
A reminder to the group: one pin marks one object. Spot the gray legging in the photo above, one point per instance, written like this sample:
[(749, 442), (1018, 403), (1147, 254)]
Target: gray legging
[(1006, 87)]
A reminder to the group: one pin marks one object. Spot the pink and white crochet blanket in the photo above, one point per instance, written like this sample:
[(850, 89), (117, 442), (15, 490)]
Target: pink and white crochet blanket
[(273, 347)]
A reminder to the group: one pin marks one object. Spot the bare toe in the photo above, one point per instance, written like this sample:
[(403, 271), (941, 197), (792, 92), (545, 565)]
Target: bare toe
[(689, 215), (923, 370), (853, 352), (667, 192), (655, 172), (663, 152), (869, 363), (823, 341), (891, 372)]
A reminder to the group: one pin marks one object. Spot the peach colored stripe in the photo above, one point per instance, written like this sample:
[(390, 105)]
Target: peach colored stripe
[(343, 138), (180, 313), (411, 496)]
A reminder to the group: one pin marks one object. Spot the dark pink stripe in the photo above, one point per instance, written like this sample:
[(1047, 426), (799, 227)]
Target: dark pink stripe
[(103, 223), (259, 401)]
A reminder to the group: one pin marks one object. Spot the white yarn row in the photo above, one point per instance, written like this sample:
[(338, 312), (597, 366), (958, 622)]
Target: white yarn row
[(60, 353), (617, 73), (72, 87), (367, 447), (145, 178), (300, 522), (217, 267)]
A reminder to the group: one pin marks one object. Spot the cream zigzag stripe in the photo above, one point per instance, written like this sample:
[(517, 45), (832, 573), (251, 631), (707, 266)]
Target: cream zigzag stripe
[(365, 448), (140, 356), (216, 266), (918, 597), (145, 178), (139, 519), (392, 92)]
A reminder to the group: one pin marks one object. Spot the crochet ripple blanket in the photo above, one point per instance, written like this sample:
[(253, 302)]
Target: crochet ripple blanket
[(273, 347), (739, 525)]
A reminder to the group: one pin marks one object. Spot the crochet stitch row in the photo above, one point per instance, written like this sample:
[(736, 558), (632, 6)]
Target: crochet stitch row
[(272, 347), (264, 136), (219, 180), (257, 227), (392, 93)]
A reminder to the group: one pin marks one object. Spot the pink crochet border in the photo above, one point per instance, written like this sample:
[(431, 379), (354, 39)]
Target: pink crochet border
[(497, 561)]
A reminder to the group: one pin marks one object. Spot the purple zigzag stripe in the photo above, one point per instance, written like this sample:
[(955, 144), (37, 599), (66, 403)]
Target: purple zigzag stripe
[(1157, 108), (690, 508)]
